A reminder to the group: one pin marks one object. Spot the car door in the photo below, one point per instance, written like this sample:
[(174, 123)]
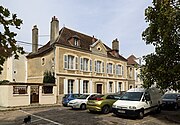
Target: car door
[(147, 102)]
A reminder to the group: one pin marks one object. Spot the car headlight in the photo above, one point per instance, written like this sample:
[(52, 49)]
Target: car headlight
[(113, 106), (132, 107)]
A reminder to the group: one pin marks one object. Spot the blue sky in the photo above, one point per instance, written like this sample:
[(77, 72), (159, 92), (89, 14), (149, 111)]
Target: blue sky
[(105, 19)]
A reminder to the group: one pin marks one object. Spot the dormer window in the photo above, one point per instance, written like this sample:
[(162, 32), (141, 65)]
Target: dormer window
[(76, 42)]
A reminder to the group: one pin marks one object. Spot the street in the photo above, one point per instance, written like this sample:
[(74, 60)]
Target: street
[(67, 116)]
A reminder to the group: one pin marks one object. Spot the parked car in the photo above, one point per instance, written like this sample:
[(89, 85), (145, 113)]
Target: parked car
[(102, 103), (171, 100), (69, 97), (137, 102), (80, 102)]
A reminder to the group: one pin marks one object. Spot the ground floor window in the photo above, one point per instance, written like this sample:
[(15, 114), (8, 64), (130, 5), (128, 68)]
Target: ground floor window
[(119, 86), (47, 89), (19, 89), (70, 86), (110, 86), (85, 86)]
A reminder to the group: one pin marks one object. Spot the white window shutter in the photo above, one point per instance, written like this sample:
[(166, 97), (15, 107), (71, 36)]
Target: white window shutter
[(77, 86), (107, 87), (90, 87), (114, 85), (65, 86), (81, 86)]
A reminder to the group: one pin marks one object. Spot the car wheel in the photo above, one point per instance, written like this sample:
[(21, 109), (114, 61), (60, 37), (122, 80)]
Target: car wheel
[(141, 114), (83, 106), (176, 107), (105, 109), (158, 110)]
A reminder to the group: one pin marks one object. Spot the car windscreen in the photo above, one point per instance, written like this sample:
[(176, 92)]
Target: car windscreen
[(83, 96), (95, 97), (131, 96), (66, 96), (170, 96)]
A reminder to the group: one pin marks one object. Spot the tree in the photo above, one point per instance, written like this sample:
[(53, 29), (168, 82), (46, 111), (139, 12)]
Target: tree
[(48, 77), (163, 66), (8, 46)]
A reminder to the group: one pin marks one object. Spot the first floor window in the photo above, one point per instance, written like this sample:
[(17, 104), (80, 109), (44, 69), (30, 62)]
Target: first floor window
[(110, 68), (118, 70), (85, 86), (70, 86), (19, 89)]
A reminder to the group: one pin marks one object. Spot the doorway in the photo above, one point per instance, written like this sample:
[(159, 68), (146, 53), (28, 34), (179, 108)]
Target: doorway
[(99, 88), (34, 94)]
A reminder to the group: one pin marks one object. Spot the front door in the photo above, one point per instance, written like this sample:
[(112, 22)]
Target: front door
[(35, 94), (99, 88)]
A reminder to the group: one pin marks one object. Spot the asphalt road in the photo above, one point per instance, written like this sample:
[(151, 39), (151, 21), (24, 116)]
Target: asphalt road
[(67, 116)]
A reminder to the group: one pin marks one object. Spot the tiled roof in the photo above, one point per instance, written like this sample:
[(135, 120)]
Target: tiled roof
[(131, 60), (86, 41)]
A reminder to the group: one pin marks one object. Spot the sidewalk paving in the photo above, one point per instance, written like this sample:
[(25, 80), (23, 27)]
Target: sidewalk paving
[(29, 106)]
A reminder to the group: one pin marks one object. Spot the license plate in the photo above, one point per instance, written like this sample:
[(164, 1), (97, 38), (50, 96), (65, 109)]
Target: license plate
[(121, 111)]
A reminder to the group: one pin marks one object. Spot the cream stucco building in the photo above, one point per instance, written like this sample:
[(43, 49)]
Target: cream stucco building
[(81, 63)]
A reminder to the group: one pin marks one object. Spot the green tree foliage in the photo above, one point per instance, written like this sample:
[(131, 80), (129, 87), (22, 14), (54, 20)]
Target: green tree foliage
[(8, 46), (163, 66), (48, 77)]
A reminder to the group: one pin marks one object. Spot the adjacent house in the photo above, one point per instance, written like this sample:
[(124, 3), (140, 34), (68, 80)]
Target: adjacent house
[(133, 71), (80, 63)]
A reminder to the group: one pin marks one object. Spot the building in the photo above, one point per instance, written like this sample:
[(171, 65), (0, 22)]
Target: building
[(133, 71), (15, 70), (81, 63)]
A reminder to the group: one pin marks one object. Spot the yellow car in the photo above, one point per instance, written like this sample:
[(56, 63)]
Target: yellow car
[(102, 103)]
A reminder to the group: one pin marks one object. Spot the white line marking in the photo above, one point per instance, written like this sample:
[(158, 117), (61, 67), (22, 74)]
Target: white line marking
[(56, 123)]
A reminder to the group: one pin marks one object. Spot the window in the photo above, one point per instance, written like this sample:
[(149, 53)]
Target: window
[(90, 65), (76, 42), (119, 86), (70, 62), (110, 68), (110, 86), (85, 86), (47, 89), (118, 70), (19, 89), (43, 61), (70, 86), (103, 67), (130, 72), (98, 66), (84, 64)]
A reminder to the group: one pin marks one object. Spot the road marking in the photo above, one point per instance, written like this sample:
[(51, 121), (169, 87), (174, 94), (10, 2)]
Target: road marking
[(56, 123)]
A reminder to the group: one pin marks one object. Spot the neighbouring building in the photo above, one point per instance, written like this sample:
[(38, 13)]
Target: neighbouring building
[(15, 70), (80, 63), (133, 71)]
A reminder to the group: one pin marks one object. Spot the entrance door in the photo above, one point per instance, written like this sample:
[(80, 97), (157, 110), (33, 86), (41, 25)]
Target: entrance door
[(34, 94), (99, 88)]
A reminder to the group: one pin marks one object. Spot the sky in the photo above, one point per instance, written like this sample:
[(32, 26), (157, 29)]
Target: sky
[(105, 19)]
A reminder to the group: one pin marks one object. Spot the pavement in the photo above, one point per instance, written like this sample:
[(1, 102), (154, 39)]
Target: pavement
[(173, 117)]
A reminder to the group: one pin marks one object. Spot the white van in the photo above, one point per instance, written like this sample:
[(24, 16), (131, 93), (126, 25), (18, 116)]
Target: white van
[(138, 101)]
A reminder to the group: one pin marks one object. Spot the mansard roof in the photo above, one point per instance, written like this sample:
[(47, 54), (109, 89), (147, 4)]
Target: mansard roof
[(86, 41)]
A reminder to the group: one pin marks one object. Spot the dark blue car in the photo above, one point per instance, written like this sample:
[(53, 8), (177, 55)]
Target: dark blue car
[(69, 97)]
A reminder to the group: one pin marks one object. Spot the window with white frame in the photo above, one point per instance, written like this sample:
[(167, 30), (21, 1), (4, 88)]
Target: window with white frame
[(130, 73), (119, 86), (98, 66), (119, 70), (110, 87), (70, 62), (70, 86), (102, 67), (76, 42), (19, 89), (109, 68), (85, 86), (90, 66), (84, 64)]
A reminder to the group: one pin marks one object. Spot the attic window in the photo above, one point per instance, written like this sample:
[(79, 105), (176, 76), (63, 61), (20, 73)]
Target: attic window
[(76, 42)]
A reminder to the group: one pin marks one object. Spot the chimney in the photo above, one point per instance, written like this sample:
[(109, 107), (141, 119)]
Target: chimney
[(115, 45), (93, 39), (34, 39), (54, 30)]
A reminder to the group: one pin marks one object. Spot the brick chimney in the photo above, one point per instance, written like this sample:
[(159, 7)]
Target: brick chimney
[(34, 39), (115, 45), (54, 30)]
